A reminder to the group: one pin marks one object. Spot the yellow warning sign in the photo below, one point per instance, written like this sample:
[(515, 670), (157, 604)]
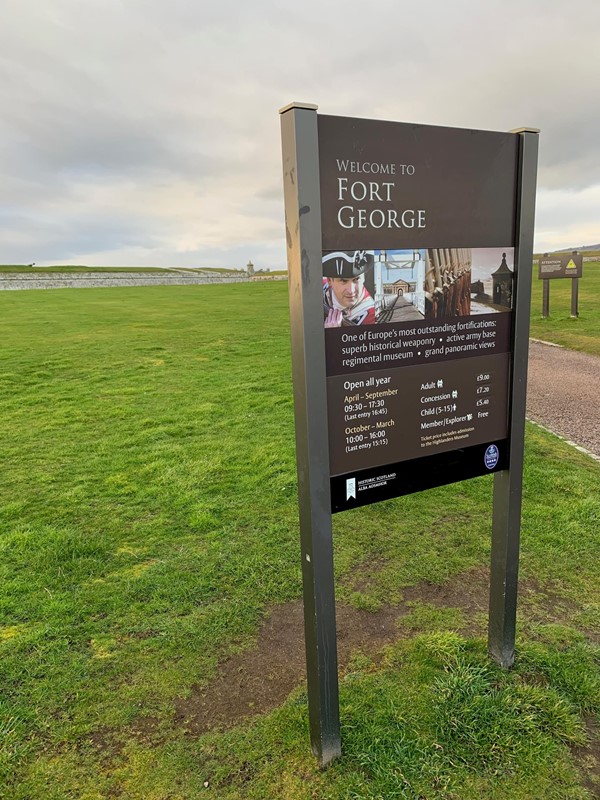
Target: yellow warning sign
[(571, 265)]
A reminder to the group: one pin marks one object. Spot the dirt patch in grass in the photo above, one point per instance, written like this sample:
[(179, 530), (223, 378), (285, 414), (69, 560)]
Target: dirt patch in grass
[(587, 758), (364, 575), (260, 679), (468, 591), (106, 743)]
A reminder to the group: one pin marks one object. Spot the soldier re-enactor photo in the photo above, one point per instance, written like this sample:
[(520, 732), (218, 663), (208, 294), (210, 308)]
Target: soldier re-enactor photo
[(346, 301)]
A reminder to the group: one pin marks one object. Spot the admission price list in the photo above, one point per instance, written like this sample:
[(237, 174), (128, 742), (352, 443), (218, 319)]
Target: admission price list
[(408, 412)]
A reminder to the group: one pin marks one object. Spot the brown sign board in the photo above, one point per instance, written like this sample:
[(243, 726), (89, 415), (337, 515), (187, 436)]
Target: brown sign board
[(560, 265), (418, 237)]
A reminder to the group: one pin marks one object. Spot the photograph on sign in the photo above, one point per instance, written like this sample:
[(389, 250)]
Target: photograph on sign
[(364, 287), (418, 280)]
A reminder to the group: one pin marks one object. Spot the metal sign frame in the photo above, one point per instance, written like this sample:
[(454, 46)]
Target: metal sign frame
[(301, 180)]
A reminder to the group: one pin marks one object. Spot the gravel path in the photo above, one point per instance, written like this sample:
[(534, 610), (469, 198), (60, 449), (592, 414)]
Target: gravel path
[(563, 393)]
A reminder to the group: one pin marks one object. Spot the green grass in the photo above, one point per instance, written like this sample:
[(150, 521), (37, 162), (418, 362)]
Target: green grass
[(148, 522), (580, 333)]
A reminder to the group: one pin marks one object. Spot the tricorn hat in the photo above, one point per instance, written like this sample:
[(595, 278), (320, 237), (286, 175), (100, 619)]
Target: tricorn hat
[(347, 263)]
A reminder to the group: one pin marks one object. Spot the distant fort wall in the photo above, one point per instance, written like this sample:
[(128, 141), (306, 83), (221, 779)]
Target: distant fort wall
[(89, 280)]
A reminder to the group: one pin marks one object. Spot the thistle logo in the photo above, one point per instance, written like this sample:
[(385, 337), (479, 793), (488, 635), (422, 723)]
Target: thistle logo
[(351, 488)]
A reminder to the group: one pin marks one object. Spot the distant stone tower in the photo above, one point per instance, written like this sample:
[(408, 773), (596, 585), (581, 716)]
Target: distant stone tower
[(250, 268), (502, 279)]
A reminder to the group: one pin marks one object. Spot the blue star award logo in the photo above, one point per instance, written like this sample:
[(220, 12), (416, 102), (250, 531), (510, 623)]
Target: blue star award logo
[(491, 456)]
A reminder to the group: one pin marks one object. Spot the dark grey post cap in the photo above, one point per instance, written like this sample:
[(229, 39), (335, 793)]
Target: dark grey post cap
[(297, 104)]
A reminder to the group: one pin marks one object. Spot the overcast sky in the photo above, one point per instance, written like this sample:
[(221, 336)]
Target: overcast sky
[(145, 132)]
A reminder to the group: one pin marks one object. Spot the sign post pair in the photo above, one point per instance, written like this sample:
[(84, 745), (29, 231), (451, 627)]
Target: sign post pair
[(560, 265), (409, 256)]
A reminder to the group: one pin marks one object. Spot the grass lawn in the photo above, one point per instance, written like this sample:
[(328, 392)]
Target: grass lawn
[(581, 333), (148, 528)]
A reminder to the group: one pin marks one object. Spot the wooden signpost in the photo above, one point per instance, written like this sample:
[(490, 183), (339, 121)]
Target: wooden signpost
[(560, 265)]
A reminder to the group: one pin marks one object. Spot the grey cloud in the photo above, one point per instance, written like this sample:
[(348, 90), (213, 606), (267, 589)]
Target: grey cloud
[(42, 239), (569, 207), (103, 94)]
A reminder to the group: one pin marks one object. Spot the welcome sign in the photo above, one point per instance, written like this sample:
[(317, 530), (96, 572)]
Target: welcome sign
[(409, 254), (418, 237)]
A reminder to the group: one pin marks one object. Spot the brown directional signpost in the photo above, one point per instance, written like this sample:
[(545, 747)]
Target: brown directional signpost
[(409, 253), (560, 265)]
